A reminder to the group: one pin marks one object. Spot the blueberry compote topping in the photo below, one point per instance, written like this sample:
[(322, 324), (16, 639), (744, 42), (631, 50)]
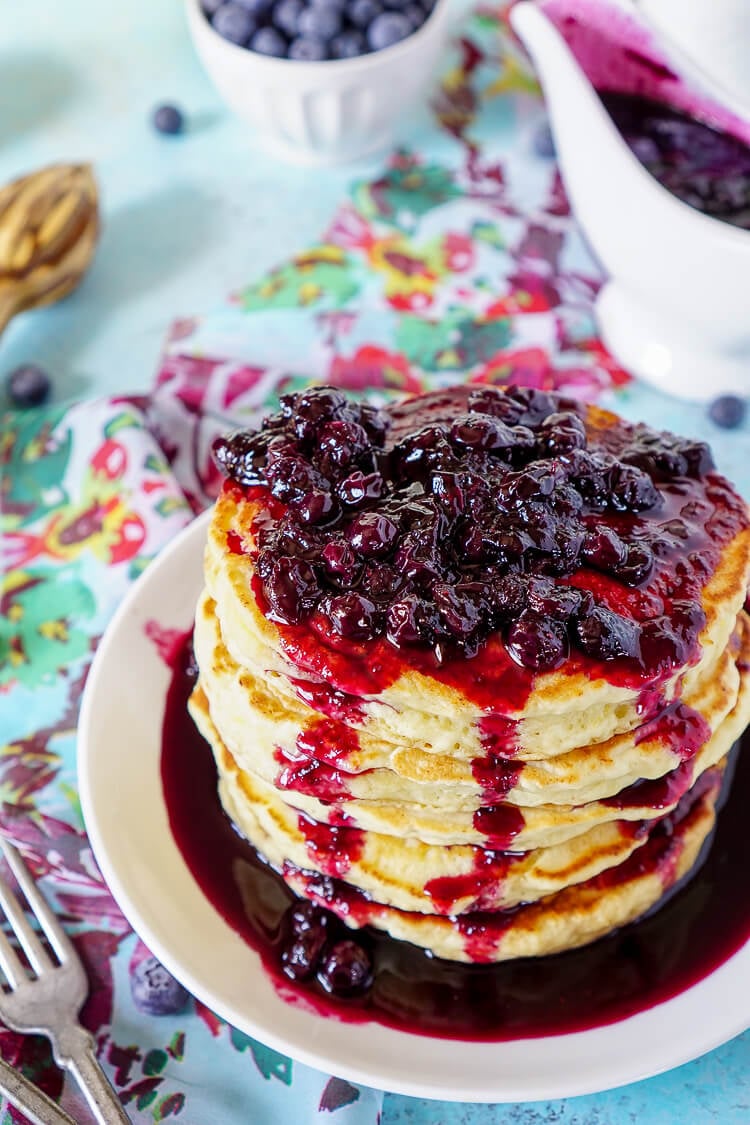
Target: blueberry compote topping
[(474, 511), (703, 167)]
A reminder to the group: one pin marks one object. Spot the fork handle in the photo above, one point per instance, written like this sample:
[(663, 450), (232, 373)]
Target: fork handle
[(32, 1102), (74, 1050)]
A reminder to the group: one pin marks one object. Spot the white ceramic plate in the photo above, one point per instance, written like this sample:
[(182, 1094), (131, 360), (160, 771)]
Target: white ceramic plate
[(121, 792)]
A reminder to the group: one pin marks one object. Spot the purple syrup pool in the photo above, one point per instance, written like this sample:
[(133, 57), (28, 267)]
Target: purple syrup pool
[(691, 934), (705, 168)]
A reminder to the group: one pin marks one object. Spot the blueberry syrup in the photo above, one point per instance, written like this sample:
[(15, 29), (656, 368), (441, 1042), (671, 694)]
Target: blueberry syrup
[(705, 168), (313, 778), (679, 727), (698, 928)]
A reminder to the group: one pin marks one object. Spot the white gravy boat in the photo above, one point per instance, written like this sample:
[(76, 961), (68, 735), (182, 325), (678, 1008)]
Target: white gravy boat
[(676, 307)]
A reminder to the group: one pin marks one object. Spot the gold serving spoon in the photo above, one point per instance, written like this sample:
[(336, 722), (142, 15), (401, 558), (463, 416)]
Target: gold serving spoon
[(49, 225)]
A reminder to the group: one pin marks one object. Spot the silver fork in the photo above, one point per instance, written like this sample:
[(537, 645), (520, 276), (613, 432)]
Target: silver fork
[(49, 1003)]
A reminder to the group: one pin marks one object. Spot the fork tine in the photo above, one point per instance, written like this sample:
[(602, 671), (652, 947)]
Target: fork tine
[(10, 963), (16, 915), (53, 930)]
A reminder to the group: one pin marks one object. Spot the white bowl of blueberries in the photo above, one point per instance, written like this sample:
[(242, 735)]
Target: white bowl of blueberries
[(321, 80)]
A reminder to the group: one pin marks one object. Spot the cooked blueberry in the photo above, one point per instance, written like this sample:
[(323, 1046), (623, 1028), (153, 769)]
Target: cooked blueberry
[(286, 15), (168, 119), (346, 969), (477, 432), (362, 12), (304, 916), (28, 385), (155, 991), (557, 602), (358, 488), (605, 635), (268, 41), (728, 411), (340, 562), (461, 608), (290, 478), (638, 564), (341, 443), (235, 23), (603, 548), (560, 433), (300, 956), (320, 404), (352, 615), (291, 589), (509, 596), (348, 45), (632, 490), (372, 534), (388, 29), (698, 456), (408, 621), (317, 507), (537, 643)]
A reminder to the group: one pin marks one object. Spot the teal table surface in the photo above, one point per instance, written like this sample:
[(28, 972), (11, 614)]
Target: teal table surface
[(185, 221)]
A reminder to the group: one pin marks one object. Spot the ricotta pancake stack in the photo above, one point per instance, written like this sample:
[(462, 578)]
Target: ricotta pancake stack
[(471, 667)]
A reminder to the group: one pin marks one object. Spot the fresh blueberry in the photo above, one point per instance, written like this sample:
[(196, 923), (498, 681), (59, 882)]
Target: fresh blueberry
[(28, 385), (362, 12), (415, 15), (168, 119), (211, 7), (728, 411), (286, 16), (388, 29), (155, 991), (348, 45), (306, 49), (258, 8), (268, 41), (542, 142), (320, 23), (235, 23)]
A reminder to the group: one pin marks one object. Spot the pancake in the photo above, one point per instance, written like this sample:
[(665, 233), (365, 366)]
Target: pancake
[(267, 736), (420, 707), (526, 828), (574, 917), (471, 671)]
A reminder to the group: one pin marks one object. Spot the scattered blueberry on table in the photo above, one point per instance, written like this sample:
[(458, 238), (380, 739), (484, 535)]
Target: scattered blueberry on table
[(155, 991), (28, 385), (728, 411), (168, 119), (542, 142), (316, 30)]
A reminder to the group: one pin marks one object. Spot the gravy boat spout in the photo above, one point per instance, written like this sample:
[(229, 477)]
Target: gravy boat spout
[(675, 307)]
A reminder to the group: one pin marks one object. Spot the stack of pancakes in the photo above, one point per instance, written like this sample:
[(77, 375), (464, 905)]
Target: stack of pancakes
[(476, 828)]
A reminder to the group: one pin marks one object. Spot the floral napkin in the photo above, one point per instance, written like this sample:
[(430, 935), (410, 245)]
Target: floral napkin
[(460, 261)]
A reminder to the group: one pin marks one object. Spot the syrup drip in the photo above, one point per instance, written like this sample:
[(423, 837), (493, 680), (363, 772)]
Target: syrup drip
[(481, 886), (314, 779), (331, 848), (679, 727)]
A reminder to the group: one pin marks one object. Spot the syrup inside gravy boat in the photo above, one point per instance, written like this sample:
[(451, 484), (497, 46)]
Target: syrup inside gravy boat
[(674, 309)]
